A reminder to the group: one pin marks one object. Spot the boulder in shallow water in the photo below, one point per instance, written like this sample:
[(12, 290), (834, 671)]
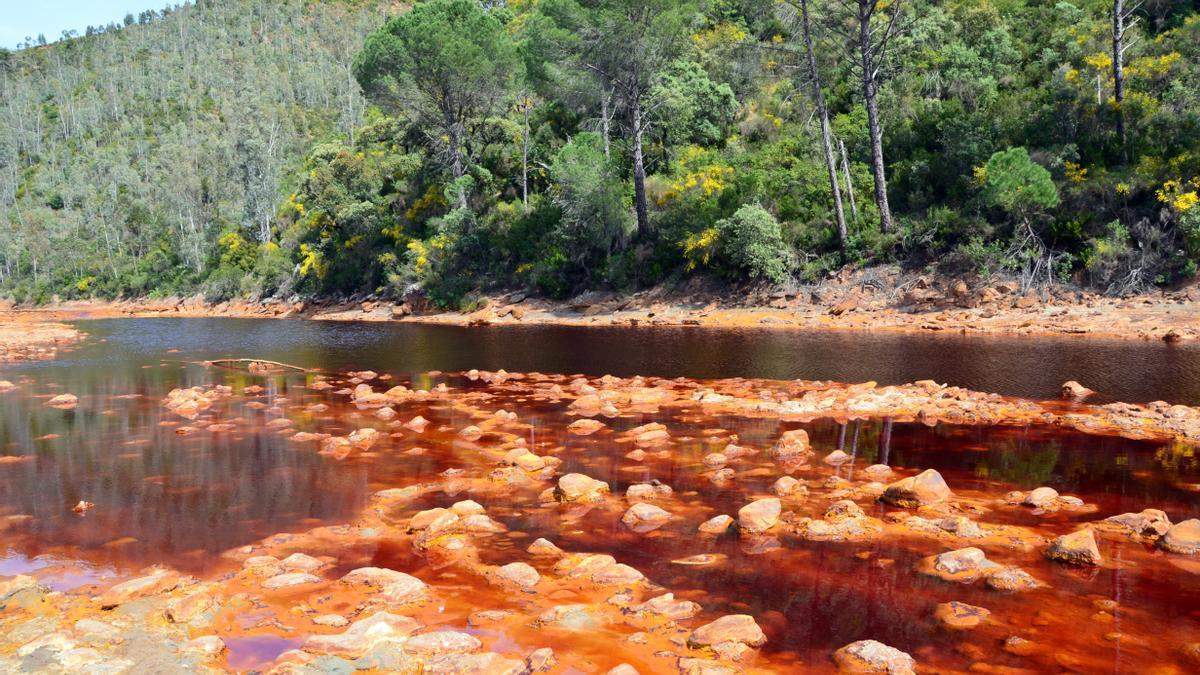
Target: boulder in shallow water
[(792, 443), (576, 487), (643, 517), (963, 565), (1149, 524), (519, 574), (1073, 391), (362, 635), (787, 486), (760, 515), (63, 401), (870, 656), (716, 525), (159, 582), (1077, 548), (1182, 538), (729, 628), (923, 489), (1040, 497)]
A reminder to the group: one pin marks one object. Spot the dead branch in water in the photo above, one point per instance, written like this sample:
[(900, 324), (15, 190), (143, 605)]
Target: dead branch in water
[(256, 365)]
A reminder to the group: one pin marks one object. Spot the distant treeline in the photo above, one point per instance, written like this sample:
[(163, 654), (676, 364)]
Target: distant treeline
[(258, 148)]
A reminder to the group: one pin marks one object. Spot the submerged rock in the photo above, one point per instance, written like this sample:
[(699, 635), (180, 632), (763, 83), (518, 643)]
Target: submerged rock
[(923, 489), (572, 617), (1011, 580), (959, 615)]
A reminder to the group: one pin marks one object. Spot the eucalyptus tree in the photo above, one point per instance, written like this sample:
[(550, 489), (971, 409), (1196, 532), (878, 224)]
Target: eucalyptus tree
[(446, 65)]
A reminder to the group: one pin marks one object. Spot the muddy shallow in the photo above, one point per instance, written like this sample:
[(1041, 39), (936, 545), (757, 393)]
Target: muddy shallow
[(201, 492)]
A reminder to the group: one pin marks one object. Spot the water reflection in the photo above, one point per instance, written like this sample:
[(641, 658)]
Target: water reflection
[(1020, 366)]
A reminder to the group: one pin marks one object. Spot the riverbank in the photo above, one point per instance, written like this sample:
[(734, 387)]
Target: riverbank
[(871, 300)]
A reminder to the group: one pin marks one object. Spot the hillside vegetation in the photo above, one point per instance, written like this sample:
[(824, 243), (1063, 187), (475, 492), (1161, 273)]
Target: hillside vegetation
[(276, 148)]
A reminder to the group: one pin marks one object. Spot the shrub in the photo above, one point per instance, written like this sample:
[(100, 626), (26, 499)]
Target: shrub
[(751, 244)]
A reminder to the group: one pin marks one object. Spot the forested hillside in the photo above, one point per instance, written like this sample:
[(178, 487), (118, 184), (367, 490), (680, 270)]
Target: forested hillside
[(271, 148), (126, 154)]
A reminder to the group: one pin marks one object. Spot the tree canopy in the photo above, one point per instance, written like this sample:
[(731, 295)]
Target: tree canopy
[(455, 146)]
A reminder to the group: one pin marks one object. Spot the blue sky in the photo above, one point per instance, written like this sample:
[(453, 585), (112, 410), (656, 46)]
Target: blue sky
[(21, 18)]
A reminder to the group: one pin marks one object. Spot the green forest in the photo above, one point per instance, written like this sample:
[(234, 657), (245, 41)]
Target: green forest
[(262, 148)]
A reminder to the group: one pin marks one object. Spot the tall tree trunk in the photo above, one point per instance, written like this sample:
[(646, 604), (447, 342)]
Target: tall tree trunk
[(877, 167), (456, 161), (639, 171), (870, 84), (525, 157), (823, 113), (849, 180), (1118, 68), (605, 119)]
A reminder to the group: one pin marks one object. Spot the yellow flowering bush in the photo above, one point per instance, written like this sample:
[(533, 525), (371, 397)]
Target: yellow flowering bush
[(1183, 196)]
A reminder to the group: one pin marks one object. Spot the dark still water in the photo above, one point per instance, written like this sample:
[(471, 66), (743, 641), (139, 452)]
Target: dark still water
[(1032, 367)]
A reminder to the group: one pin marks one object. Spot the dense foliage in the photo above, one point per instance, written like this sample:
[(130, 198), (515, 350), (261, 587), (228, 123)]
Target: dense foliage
[(569, 144)]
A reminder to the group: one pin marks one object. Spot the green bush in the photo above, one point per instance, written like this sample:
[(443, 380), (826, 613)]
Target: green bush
[(751, 244)]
